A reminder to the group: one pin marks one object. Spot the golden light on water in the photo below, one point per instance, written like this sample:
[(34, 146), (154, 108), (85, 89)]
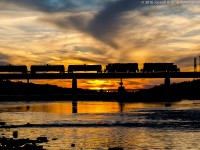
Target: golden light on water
[(98, 107), (82, 107), (56, 121)]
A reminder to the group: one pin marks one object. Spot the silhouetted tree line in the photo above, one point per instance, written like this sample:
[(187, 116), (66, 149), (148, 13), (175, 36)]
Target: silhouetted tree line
[(20, 88), (183, 90), (176, 91)]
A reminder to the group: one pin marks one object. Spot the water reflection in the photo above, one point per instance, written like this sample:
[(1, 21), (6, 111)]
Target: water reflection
[(121, 106), (74, 107), (145, 129), (84, 107), (89, 107)]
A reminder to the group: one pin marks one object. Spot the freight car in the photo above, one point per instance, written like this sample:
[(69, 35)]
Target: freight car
[(72, 68), (47, 68), (160, 67), (12, 68), (122, 67)]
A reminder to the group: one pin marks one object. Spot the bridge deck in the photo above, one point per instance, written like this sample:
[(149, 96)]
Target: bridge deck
[(99, 75)]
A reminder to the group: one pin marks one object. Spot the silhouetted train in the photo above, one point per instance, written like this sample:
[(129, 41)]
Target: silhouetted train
[(122, 67), (110, 68), (72, 68)]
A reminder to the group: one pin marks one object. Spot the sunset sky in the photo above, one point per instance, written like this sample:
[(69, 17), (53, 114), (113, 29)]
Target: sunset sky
[(99, 32)]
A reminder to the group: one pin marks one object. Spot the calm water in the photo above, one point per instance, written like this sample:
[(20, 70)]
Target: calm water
[(100, 125)]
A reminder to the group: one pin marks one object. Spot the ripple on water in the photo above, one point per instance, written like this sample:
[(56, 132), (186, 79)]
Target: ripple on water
[(141, 127)]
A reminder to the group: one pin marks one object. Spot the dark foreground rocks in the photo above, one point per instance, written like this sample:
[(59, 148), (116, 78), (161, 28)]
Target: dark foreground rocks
[(21, 144)]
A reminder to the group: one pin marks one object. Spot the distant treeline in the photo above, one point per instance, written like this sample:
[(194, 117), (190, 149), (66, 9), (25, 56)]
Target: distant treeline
[(20, 88), (183, 90)]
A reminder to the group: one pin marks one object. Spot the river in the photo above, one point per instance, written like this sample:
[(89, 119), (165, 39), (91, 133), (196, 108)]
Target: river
[(99, 125)]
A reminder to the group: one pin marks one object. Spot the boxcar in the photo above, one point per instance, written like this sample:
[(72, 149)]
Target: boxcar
[(72, 68), (47, 68), (13, 68), (122, 67)]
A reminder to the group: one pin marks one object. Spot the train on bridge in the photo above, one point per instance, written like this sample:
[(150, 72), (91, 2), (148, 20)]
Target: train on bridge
[(110, 68)]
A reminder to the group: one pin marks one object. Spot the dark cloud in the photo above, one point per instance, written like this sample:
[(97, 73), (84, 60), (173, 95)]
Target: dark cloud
[(4, 63), (4, 59), (89, 50), (106, 23), (90, 60), (187, 61), (42, 5)]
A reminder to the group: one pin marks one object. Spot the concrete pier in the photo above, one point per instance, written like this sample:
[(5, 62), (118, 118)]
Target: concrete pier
[(167, 82), (74, 85)]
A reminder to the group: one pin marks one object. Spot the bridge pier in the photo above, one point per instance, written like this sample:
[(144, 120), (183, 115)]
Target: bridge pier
[(121, 88), (167, 82), (167, 89), (121, 91), (74, 86), (28, 89)]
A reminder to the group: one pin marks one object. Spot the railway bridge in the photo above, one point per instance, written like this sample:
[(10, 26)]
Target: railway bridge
[(75, 76)]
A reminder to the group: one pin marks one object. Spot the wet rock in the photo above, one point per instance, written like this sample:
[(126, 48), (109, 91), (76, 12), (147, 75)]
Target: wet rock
[(115, 148), (23, 144), (72, 145), (2, 123), (42, 139), (168, 105), (15, 134), (28, 124), (54, 139), (3, 141)]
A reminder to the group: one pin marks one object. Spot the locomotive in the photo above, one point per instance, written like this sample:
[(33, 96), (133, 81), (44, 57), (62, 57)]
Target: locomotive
[(160, 67)]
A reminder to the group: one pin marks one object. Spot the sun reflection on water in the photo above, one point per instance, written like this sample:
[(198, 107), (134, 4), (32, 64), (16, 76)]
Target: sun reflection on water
[(110, 113)]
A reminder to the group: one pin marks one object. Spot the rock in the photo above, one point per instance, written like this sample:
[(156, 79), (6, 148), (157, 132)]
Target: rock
[(28, 124), (168, 105), (72, 145), (42, 139), (15, 134), (24, 144), (54, 139), (2, 123)]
